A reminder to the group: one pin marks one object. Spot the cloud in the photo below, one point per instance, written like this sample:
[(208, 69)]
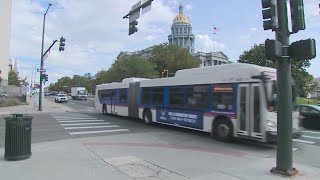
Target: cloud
[(188, 7), (95, 32), (205, 43), (254, 29)]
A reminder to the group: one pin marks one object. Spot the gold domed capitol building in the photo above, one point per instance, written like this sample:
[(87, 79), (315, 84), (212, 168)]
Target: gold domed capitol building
[(181, 32)]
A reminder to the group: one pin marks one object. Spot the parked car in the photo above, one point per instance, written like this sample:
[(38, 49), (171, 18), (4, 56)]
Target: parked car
[(61, 98), (3, 94), (310, 116)]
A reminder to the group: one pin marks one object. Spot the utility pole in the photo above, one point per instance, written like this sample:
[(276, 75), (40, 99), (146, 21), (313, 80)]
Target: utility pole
[(282, 52), (41, 58)]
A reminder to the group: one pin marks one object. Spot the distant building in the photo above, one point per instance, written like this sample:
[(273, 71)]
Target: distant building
[(145, 53), (181, 32), (181, 35), (5, 24), (212, 58), (316, 94)]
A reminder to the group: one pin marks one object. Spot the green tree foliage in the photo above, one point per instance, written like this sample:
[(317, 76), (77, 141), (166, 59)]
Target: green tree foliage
[(256, 55), (13, 79), (172, 58), (130, 66)]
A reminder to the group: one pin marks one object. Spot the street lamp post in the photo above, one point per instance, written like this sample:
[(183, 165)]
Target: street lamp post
[(41, 58)]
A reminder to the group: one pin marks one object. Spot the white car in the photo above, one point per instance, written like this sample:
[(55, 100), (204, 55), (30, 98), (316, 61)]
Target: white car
[(61, 98)]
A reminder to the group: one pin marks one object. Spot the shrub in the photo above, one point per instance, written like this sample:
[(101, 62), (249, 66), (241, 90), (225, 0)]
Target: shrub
[(6, 102)]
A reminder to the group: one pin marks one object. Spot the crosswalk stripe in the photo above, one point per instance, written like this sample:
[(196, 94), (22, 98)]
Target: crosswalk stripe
[(303, 141), (81, 121), (55, 116), (294, 149), (95, 132), (81, 124), (74, 118), (313, 132), (91, 127), (311, 137)]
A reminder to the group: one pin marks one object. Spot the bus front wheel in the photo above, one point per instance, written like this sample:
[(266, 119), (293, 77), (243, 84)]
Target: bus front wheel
[(147, 117), (104, 109), (223, 130)]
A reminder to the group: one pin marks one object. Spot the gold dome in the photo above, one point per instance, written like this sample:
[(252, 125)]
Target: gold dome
[(181, 17)]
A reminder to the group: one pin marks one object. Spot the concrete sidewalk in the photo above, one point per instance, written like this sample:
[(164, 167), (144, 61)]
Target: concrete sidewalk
[(141, 156), (32, 107)]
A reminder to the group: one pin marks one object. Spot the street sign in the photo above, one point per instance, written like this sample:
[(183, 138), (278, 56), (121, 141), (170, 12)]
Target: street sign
[(41, 70), (135, 12)]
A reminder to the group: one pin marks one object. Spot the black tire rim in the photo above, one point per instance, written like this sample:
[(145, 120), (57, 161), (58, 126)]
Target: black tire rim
[(223, 130)]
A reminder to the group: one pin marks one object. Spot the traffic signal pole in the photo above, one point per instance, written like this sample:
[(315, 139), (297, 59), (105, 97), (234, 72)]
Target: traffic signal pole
[(41, 58), (284, 115)]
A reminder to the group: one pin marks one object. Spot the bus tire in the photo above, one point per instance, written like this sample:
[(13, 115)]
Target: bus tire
[(104, 109), (147, 117), (222, 129)]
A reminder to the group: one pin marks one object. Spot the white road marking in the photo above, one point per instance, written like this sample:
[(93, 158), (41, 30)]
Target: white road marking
[(81, 121), (313, 132), (303, 141), (95, 132), (80, 124), (91, 127), (311, 137), (294, 149), (71, 118)]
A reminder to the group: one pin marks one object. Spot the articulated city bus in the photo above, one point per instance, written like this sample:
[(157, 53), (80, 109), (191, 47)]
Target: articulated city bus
[(229, 101)]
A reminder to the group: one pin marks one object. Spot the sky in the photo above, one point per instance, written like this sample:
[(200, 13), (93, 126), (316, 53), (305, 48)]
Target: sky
[(96, 33)]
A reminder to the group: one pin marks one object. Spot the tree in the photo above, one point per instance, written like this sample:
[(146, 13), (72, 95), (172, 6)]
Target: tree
[(256, 55), (172, 58), (13, 79), (130, 66)]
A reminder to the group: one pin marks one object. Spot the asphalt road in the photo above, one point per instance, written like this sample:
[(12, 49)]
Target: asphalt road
[(85, 121)]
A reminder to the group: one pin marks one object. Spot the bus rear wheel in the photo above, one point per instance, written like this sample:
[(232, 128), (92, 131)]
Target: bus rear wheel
[(147, 117), (104, 109), (222, 130)]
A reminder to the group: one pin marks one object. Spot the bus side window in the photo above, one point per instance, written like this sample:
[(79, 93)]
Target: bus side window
[(146, 95), (157, 96), (123, 95), (223, 97), (198, 96), (176, 97)]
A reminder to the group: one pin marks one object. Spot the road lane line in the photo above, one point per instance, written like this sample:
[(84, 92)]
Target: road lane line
[(294, 149), (311, 137), (95, 132), (74, 118), (303, 141), (313, 132), (91, 127), (81, 121), (81, 124)]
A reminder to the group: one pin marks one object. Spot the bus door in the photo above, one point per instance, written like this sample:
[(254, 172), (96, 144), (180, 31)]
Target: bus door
[(249, 110), (113, 100)]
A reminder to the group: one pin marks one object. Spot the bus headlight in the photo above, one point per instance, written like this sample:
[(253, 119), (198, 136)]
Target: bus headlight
[(271, 124)]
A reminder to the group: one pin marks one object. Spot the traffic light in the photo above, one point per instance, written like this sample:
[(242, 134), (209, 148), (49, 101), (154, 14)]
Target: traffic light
[(165, 73), (46, 77), (303, 49), (62, 43), (297, 15), (270, 15), (132, 27)]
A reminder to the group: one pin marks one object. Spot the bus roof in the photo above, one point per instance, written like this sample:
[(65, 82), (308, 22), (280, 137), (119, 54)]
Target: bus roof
[(226, 73), (116, 85)]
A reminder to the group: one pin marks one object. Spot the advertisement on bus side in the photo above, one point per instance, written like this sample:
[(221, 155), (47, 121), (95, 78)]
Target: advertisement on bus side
[(181, 117)]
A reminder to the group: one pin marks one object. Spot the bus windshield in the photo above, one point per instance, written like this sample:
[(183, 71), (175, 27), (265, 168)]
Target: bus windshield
[(272, 95), (82, 92)]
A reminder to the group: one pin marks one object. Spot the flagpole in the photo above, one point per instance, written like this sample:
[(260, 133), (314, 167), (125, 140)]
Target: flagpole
[(213, 38)]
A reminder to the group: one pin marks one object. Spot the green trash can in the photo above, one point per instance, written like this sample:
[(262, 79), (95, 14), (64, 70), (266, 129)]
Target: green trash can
[(18, 137)]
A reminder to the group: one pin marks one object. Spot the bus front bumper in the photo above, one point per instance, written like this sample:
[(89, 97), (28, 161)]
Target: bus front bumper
[(272, 135)]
